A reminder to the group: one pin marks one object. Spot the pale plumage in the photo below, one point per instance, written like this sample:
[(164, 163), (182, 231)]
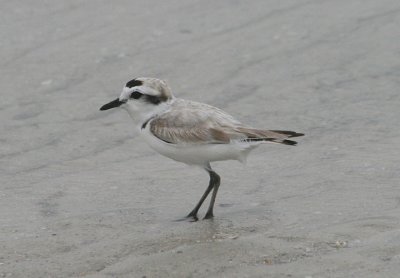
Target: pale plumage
[(191, 132), (189, 122)]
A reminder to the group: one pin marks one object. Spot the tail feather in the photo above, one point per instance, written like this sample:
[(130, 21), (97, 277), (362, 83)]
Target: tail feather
[(288, 133), (272, 140), (289, 142), (273, 136)]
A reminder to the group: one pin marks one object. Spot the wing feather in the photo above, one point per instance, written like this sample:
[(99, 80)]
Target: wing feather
[(190, 122)]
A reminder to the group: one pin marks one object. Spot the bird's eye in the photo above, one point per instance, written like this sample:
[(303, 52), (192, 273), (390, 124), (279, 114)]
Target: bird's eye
[(135, 95)]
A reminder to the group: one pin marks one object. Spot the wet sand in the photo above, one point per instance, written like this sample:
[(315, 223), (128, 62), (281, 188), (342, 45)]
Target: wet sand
[(80, 196)]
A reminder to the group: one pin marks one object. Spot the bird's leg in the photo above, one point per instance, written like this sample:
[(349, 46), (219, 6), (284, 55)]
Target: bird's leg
[(216, 180), (193, 213)]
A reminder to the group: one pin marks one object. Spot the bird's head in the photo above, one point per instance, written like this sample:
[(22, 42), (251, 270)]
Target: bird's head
[(142, 97)]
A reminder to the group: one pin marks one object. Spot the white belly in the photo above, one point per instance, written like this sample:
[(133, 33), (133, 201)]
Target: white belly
[(197, 154)]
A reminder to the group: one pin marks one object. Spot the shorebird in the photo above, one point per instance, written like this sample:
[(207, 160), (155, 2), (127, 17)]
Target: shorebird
[(191, 132)]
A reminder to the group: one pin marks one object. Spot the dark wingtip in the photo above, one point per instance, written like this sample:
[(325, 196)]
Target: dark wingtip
[(288, 133), (279, 141), (289, 142)]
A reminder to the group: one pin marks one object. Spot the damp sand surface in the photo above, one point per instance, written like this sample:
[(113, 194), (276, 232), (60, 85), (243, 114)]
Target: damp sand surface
[(82, 196)]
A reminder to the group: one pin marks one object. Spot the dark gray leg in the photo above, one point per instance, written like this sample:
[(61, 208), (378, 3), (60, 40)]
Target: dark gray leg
[(217, 180), (213, 175)]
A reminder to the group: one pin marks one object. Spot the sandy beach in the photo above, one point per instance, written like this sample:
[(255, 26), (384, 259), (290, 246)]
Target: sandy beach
[(82, 196)]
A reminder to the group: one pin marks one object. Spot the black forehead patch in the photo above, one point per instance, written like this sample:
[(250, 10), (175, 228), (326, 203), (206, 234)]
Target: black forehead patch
[(134, 83)]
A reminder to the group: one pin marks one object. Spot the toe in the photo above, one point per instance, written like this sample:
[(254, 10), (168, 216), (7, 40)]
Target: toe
[(188, 218)]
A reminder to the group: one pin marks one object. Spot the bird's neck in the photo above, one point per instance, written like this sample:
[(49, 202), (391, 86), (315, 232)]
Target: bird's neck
[(141, 116)]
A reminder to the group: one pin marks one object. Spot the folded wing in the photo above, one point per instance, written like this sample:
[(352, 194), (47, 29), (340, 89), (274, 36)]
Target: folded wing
[(198, 123)]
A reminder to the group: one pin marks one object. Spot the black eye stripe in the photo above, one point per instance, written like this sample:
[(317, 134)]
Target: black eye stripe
[(147, 98), (135, 95), (153, 99)]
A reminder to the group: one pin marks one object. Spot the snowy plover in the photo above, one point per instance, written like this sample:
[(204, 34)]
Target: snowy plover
[(191, 132)]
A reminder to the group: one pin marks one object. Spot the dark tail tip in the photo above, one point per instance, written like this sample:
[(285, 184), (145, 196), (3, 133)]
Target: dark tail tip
[(288, 133), (289, 142), (279, 141)]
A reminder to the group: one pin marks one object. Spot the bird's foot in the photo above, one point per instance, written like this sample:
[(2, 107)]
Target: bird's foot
[(191, 217), (209, 215)]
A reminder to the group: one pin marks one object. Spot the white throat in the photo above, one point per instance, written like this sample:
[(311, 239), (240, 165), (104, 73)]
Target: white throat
[(140, 115)]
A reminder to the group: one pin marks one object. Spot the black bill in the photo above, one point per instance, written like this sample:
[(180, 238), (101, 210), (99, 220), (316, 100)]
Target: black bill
[(112, 104)]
